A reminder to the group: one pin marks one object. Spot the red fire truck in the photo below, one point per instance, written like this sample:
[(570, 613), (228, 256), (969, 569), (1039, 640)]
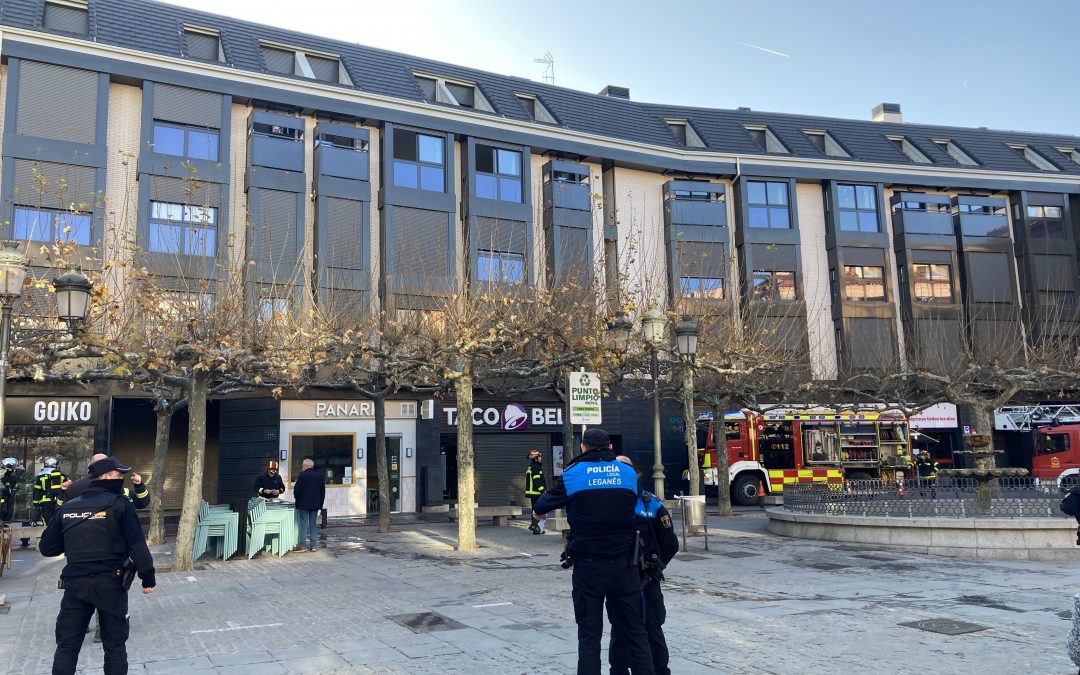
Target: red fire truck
[(1057, 454), (767, 452)]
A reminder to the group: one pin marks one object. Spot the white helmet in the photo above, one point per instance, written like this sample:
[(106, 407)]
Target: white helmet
[(50, 462), (9, 462)]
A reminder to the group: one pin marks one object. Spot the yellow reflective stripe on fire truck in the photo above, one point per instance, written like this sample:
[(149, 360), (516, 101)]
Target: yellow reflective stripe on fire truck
[(778, 478)]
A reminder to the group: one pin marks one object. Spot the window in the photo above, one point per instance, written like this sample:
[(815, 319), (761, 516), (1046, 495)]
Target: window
[(1049, 444), (864, 283), (498, 174), (910, 151), (182, 230), (501, 267), (331, 453), (702, 288), (767, 204), (343, 142), (1071, 154), (66, 16), (1033, 157), (1057, 298), (183, 305), (1045, 222), (271, 309), (856, 208), (278, 131), (825, 142), (774, 285), (291, 61), (956, 152), (932, 284), (50, 225), (419, 161), (983, 220), (765, 138), (537, 111), (696, 196), (462, 94), (203, 43), (685, 134), (184, 141)]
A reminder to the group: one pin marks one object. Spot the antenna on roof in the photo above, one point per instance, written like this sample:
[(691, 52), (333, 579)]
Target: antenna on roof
[(549, 71)]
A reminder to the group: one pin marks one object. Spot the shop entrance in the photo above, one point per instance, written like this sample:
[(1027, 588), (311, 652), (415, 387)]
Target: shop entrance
[(393, 470)]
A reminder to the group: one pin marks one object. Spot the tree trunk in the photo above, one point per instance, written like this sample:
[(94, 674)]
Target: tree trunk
[(380, 463), (156, 484), (690, 425), (193, 482), (723, 475), (466, 513), (983, 418)]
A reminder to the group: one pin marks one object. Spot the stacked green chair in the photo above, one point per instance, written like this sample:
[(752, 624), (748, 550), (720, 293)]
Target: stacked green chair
[(274, 521), (220, 524)]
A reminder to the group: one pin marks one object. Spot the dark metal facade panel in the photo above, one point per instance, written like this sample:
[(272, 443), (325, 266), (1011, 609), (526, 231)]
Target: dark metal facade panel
[(507, 236), (420, 252), (187, 106), (66, 19), (55, 186), (344, 233), (193, 193), (57, 103), (276, 223), (279, 60), (324, 69), (202, 46), (501, 460)]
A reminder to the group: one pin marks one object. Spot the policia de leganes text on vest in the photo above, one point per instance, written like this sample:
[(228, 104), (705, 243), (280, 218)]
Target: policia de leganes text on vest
[(98, 532), (600, 494)]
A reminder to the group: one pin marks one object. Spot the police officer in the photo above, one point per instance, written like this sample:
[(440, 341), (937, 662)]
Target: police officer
[(269, 484), (97, 532), (535, 485), (137, 494), (599, 494), (659, 544), (9, 484), (47, 488)]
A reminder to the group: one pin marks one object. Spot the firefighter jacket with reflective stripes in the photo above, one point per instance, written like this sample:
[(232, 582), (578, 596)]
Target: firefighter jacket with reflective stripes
[(47, 487), (138, 495), (534, 480), (927, 468), (599, 494), (268, 482)]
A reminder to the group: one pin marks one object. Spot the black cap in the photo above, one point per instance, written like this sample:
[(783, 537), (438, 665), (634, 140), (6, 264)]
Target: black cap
[(595, 438), (104, 466)]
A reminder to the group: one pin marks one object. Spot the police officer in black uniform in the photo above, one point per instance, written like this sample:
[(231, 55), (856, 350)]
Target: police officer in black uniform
[(97, 532), (599, 494), (659, 544)]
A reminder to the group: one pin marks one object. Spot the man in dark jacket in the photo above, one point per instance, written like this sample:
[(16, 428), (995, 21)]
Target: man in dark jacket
[(309, 491), (137, 494), (599, 494), (97, 532), (659, 544), (535, 485), (269, 485)]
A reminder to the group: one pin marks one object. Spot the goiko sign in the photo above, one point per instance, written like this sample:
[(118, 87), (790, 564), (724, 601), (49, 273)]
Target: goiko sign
[(34, 411), (514, 417), (584, 398)]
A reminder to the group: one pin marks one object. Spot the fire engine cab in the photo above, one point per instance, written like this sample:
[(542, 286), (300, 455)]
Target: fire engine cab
[(767, 452), (1057, 439)]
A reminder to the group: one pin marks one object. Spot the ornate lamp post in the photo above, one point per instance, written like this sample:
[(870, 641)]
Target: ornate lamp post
[(72, 298), (686, 340), (13, 267), (653, 325)]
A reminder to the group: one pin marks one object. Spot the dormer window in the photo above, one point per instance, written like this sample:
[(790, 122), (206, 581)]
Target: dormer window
[(908, 148), (536, 109), (766, 139), (67, 16), (452, 92), (825, 142), (956, 152), (1033, 157), (284, 60), (684, 133), (203, 43), (1071, 154)]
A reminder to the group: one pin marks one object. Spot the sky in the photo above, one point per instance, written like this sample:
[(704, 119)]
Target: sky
[(993, 63)]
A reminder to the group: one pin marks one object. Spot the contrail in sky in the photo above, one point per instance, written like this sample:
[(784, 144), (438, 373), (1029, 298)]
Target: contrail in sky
[(763, 49)]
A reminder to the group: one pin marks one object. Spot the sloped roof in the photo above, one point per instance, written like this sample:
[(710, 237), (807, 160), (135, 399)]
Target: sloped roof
[(155, 27)]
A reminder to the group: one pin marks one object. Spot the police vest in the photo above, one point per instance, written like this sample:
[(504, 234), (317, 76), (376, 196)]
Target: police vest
[(90, 524)]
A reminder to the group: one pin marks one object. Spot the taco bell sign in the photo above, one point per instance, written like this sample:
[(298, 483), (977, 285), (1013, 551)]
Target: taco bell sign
[(515, 418)]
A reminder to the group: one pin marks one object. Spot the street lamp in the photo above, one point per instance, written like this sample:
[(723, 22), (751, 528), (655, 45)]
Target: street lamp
[(686, 340), (72, 297), (620, 327), (13, 267), (652, 324)]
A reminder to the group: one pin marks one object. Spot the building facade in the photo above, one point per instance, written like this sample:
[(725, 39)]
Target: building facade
[(389, 181)]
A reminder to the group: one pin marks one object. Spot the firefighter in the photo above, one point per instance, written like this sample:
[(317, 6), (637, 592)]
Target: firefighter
[(659, 544), (927, 468), (269, 484), (599, 494), (534, 487), (10, 483), (47, 488)]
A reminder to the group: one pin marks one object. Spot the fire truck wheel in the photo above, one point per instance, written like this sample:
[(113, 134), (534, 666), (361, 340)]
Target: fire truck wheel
[(744, 491)]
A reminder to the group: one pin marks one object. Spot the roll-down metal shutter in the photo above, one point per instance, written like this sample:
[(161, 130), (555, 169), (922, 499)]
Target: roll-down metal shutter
[(501, 460)]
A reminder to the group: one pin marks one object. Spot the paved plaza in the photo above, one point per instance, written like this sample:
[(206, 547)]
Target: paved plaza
[(753, 603)]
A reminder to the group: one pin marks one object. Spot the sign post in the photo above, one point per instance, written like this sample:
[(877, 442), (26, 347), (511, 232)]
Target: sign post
[(584, 391)]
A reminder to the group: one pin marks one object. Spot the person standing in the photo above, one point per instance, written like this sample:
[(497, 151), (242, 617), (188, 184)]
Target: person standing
[(137, 494), (599, 494), (269, 485), (659, 544), (10, 484), (535, 485), (97, 532), (47, 488), (309, 491)]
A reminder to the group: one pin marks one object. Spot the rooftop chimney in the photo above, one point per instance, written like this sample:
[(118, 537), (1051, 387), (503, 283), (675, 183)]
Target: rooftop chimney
[(887, 112), (743, 107), (615, 92)]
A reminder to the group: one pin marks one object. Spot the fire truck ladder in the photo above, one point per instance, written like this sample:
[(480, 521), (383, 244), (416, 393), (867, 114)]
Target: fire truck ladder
[(1028, 417)]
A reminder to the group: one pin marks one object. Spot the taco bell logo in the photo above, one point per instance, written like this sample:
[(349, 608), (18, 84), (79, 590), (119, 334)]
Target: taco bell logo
[(515, 418)]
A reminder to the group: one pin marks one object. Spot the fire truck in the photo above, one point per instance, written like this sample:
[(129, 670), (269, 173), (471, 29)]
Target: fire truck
[(768, 451), (1057, 439)]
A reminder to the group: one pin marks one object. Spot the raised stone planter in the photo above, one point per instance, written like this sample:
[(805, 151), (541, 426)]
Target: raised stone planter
[(1013, 538)]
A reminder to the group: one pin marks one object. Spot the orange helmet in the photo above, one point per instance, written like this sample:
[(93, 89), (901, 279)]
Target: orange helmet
[(272, 466)]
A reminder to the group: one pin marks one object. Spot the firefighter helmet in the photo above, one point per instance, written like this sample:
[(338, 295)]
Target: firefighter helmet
[(9, 462), (272, 465), (50, 463)]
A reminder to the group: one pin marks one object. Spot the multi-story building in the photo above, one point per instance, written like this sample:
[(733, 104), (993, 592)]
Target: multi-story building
[(393, 180)]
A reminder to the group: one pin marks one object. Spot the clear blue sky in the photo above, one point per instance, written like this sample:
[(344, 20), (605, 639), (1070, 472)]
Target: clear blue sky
[(1004, 65)]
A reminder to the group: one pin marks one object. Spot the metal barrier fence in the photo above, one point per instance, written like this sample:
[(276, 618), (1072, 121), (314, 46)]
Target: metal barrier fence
[(943, 498)]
